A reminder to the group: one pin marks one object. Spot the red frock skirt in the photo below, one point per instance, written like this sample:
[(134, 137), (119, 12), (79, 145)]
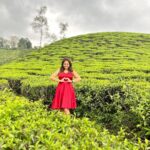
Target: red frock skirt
[(65, 96)]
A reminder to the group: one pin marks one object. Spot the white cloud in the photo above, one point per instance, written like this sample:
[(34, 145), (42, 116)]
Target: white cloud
[(82, 16)]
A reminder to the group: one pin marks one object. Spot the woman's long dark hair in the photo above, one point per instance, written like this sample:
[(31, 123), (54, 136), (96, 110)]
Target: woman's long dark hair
[(70, 65)]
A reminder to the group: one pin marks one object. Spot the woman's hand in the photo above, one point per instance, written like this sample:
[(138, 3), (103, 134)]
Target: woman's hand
[(68, 80), (65, 80), (62, 80)]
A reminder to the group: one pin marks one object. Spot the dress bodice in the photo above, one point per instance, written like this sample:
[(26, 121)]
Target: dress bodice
[(63, 74)]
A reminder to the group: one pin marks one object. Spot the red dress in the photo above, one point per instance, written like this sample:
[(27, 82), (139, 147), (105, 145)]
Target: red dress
[(65, 96)]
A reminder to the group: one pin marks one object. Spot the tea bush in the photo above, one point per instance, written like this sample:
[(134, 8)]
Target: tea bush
[(115, 71), (27, 124)]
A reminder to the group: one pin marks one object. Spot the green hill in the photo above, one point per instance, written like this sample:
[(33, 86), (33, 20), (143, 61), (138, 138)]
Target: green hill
[(8, 55), (98, 56), (114, 67)]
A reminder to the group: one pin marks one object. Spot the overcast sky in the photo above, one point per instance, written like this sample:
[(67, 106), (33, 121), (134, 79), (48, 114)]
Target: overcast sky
[(83, 16)]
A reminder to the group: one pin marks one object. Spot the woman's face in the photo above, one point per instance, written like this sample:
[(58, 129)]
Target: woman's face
[(66, 64)]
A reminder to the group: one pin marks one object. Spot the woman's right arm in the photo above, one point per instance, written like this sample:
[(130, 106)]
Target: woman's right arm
[(54, 75)]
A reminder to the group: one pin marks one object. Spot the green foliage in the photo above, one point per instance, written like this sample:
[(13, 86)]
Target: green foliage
[(115, 105), (24, 43), (8, 55), (114, 68), (3, 84), (28, 125)]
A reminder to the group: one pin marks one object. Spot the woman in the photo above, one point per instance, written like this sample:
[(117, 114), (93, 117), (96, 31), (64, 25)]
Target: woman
[(65, 97)]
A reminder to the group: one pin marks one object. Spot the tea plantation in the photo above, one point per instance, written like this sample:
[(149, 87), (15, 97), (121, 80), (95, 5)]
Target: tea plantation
[(113, 97)]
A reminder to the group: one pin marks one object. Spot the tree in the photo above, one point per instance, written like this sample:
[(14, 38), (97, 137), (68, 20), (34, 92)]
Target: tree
[(6, 44), (24, 43), (53, 37), (40, 23), (1, 42), (63, 28), (14, 42)]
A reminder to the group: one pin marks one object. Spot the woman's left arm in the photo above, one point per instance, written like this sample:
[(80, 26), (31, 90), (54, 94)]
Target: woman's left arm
[(76, 76)]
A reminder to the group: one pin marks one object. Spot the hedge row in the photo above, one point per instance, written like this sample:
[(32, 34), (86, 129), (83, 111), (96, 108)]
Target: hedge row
[(116, 104), (26, 124)]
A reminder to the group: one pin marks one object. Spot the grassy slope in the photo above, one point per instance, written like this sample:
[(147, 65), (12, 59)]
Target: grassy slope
[(8, 55), (100, 56)]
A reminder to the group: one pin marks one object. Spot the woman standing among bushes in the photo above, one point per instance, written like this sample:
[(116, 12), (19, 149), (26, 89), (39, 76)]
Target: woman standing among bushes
[(65, 97)]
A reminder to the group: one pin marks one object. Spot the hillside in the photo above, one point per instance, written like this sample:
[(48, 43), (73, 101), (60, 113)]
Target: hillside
[(115, 72), (8, 55), (99, 57)]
